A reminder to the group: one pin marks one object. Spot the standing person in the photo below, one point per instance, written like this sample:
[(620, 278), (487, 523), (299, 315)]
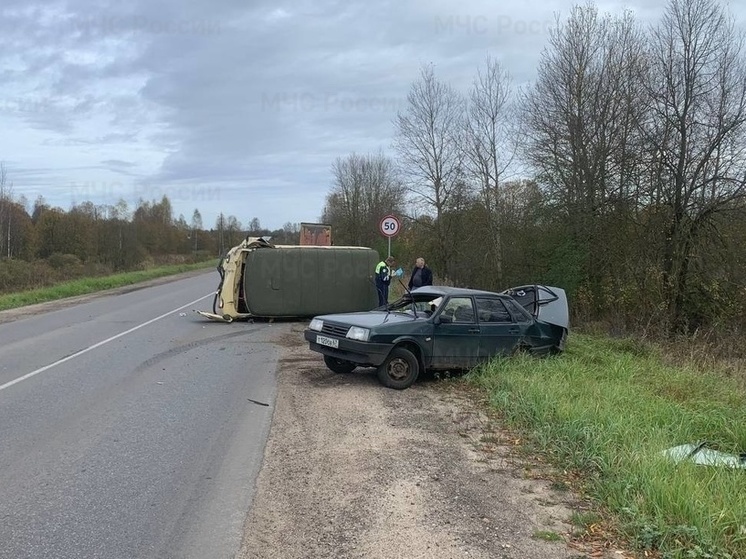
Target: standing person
[(421, 275), (384, 271)]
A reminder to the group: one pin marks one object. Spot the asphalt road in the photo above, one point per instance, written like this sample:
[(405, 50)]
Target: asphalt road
[(128, 430)]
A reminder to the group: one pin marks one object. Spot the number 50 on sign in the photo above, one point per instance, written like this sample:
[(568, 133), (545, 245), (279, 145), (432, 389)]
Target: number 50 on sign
[(390, 226)]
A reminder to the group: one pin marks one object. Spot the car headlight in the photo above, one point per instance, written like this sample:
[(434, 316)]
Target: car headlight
[(316, 324), (360, 334)]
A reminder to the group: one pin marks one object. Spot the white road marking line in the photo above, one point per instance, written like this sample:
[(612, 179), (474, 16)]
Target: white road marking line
[(99, 344)]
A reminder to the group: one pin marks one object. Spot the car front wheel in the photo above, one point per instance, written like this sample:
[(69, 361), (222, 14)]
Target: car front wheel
[(339, 365), (399, 370)]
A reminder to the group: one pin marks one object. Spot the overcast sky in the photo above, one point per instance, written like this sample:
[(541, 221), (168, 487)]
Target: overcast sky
[(233, 106)]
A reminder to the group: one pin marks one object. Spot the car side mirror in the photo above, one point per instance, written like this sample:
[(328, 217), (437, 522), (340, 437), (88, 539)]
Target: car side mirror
[(443, 319)]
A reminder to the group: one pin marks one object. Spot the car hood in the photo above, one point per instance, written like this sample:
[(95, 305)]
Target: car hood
[(368, 319)]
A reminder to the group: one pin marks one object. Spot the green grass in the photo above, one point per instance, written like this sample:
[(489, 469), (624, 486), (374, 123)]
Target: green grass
[(608, 408), (547, 536), (91, 285)]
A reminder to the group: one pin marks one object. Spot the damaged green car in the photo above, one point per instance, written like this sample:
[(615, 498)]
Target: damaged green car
[(442, 328)]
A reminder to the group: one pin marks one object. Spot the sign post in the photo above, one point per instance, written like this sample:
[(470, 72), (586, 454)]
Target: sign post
[(390, 227)]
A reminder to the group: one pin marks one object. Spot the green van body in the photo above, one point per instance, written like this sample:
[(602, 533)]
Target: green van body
[(301, 281)]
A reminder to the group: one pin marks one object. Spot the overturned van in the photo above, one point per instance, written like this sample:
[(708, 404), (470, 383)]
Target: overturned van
[(259, 279)]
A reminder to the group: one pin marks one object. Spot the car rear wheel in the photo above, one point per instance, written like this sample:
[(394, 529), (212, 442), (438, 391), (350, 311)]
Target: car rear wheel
[(339, 365), (399, 370)]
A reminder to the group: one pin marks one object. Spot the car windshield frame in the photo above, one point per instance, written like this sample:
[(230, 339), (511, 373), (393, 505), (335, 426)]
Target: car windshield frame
[(426, 304)]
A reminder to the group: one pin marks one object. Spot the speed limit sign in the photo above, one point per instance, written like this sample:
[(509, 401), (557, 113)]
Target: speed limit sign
[(390, 226)]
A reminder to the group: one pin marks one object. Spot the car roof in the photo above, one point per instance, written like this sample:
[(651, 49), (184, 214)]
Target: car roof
[(443, 290)]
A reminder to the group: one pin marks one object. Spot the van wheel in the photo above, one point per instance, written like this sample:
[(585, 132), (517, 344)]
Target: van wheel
[(399, 370), (339, 365)]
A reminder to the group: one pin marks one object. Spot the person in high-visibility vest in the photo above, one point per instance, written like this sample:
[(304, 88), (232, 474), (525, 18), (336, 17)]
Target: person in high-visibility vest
[(384, 271)]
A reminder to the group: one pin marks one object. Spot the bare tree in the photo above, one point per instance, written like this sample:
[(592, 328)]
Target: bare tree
[(581, 124), (430, 144), (6, 212), (366, 188), (697, 131), (233, 229), (196, 227), (255, 226), (228, 230), (220, 225), (489, 148)]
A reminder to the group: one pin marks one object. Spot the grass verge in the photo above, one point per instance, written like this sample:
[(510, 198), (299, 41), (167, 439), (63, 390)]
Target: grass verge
[(607, 409), (85, 286)]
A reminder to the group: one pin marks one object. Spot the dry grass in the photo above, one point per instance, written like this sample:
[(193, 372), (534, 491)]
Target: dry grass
[(719, 350), (712, 351)]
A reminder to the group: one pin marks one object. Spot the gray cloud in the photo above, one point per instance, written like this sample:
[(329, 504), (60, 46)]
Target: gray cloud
[(227, 107), (118, 163)]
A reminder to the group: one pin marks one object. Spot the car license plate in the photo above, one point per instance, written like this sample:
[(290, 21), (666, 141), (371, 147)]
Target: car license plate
[(329, 342)]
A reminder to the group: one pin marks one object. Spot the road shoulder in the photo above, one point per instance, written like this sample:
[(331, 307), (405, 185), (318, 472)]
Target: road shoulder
[(353, 469), (10, 315)]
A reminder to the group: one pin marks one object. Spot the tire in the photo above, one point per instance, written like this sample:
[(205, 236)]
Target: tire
[(339, 365), (399, 370)]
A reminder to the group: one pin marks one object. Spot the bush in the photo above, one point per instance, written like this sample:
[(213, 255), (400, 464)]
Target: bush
[(20, 275), (67, 262)]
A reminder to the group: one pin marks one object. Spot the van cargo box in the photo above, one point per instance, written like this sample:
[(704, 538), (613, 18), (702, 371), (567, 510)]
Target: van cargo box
[(299, 281)]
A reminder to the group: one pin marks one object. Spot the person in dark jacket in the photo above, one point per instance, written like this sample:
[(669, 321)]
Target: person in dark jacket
[(421, 275)]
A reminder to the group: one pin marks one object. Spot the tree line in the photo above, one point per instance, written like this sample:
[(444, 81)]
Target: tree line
[(41, 244), (618, 174)]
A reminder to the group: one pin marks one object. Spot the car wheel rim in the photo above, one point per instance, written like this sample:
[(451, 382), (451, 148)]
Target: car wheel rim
[(398, 369)]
